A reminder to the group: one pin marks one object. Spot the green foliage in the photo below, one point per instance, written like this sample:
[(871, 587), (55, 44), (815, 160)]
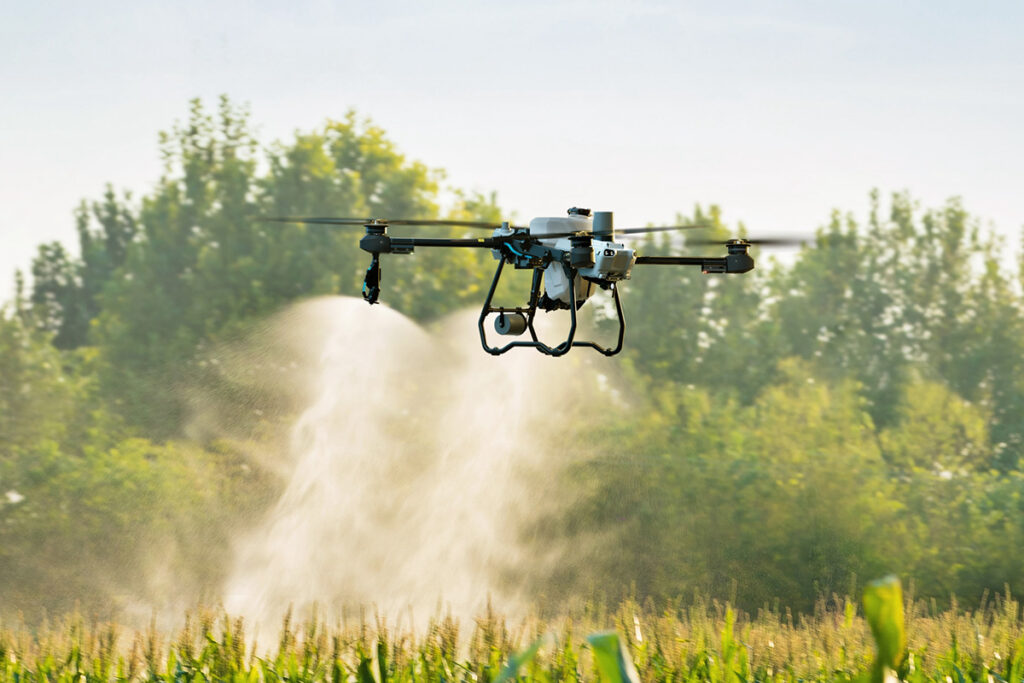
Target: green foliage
[(36, 393), (858, 412), (188, 265), (136, 517), (790, 491), (883, 609), (89, 513), (938, 431)]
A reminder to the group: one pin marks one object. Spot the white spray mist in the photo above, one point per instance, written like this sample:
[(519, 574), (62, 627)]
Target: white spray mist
[(412, 471)]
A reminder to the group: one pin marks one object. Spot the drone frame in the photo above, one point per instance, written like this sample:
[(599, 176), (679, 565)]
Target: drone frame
[(517, 246)]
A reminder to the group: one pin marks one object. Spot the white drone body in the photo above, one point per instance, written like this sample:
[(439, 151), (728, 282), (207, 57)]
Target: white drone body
[(612, 260)]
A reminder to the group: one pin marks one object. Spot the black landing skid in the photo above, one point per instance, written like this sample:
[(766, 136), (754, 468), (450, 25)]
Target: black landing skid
[(539, 300)]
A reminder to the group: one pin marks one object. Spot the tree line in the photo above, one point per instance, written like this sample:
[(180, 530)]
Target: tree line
[(858, 410)]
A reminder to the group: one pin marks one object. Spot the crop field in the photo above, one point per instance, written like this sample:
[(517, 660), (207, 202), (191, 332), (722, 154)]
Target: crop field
[(706, 641), (204, 426)]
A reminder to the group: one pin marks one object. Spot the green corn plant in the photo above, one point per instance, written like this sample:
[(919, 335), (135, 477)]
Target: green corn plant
[(883, 609), (612, 660), (733, 665), (1015, 666), (516, 661), (382, 659), (364, 674)]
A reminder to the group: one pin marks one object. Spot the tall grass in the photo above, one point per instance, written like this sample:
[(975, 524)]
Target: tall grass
[(702, 641)]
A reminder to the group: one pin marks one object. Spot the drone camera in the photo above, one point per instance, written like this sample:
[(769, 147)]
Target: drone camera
[(510, 324)]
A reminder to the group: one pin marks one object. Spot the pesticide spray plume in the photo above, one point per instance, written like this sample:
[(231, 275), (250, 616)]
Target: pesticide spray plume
[(412, 471)]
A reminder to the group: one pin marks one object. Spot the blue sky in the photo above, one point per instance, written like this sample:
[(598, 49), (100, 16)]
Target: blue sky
[(778, 112)]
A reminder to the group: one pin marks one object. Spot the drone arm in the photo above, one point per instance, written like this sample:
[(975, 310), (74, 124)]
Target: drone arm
[(404, 245), (675, 260), (733, 263), (707, 265)]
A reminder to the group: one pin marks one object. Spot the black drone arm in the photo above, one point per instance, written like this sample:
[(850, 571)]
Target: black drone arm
[(676, 260), (737, 261), (707, 264), (410, 242), (382, 243)]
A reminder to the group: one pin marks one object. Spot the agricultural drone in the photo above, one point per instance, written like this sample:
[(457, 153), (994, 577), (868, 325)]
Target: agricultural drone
[(570, 257)]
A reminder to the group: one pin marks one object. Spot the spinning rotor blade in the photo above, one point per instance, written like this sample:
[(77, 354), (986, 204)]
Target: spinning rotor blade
[(627, 231), (311, 220), (765, 242), (666, 228), (483, 225)]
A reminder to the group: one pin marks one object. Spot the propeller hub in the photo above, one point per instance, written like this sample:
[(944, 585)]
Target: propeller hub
[(737, 246), (376, 227)]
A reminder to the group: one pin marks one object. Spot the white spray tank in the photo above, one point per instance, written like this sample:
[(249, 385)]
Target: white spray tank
[(556, 282)]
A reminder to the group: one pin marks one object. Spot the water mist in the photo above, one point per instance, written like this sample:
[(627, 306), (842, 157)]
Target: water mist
[(412, 471)]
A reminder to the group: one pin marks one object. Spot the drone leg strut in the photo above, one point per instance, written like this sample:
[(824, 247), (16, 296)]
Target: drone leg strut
[(622, 327), (538, 278)]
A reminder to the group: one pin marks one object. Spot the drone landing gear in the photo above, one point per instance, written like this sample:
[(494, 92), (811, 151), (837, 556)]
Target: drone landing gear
[(511, 319)]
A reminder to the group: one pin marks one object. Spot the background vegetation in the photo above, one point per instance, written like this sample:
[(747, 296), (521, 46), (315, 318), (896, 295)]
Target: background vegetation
[(856, 412)]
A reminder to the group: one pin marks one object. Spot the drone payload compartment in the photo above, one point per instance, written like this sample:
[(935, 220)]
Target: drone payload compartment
[(556, 284)]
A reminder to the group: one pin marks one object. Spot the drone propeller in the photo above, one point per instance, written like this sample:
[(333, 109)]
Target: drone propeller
[(485, 225), (359, 222), (765, 242), (627, 231), (481, 225)]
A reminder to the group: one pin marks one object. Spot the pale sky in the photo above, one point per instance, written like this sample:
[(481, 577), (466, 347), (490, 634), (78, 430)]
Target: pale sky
[(777, 111)]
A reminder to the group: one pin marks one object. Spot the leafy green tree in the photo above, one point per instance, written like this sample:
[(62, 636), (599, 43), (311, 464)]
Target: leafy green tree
[(57, 295), (36, 395), (937, 432), (199, 268), (112, 524), (838, 307), (771, 500), (66, 290), (672, 312), (979, 349)]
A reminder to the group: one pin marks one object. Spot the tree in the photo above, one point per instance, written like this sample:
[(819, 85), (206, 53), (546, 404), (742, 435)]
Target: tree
[(36, 394), (197, 268)]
